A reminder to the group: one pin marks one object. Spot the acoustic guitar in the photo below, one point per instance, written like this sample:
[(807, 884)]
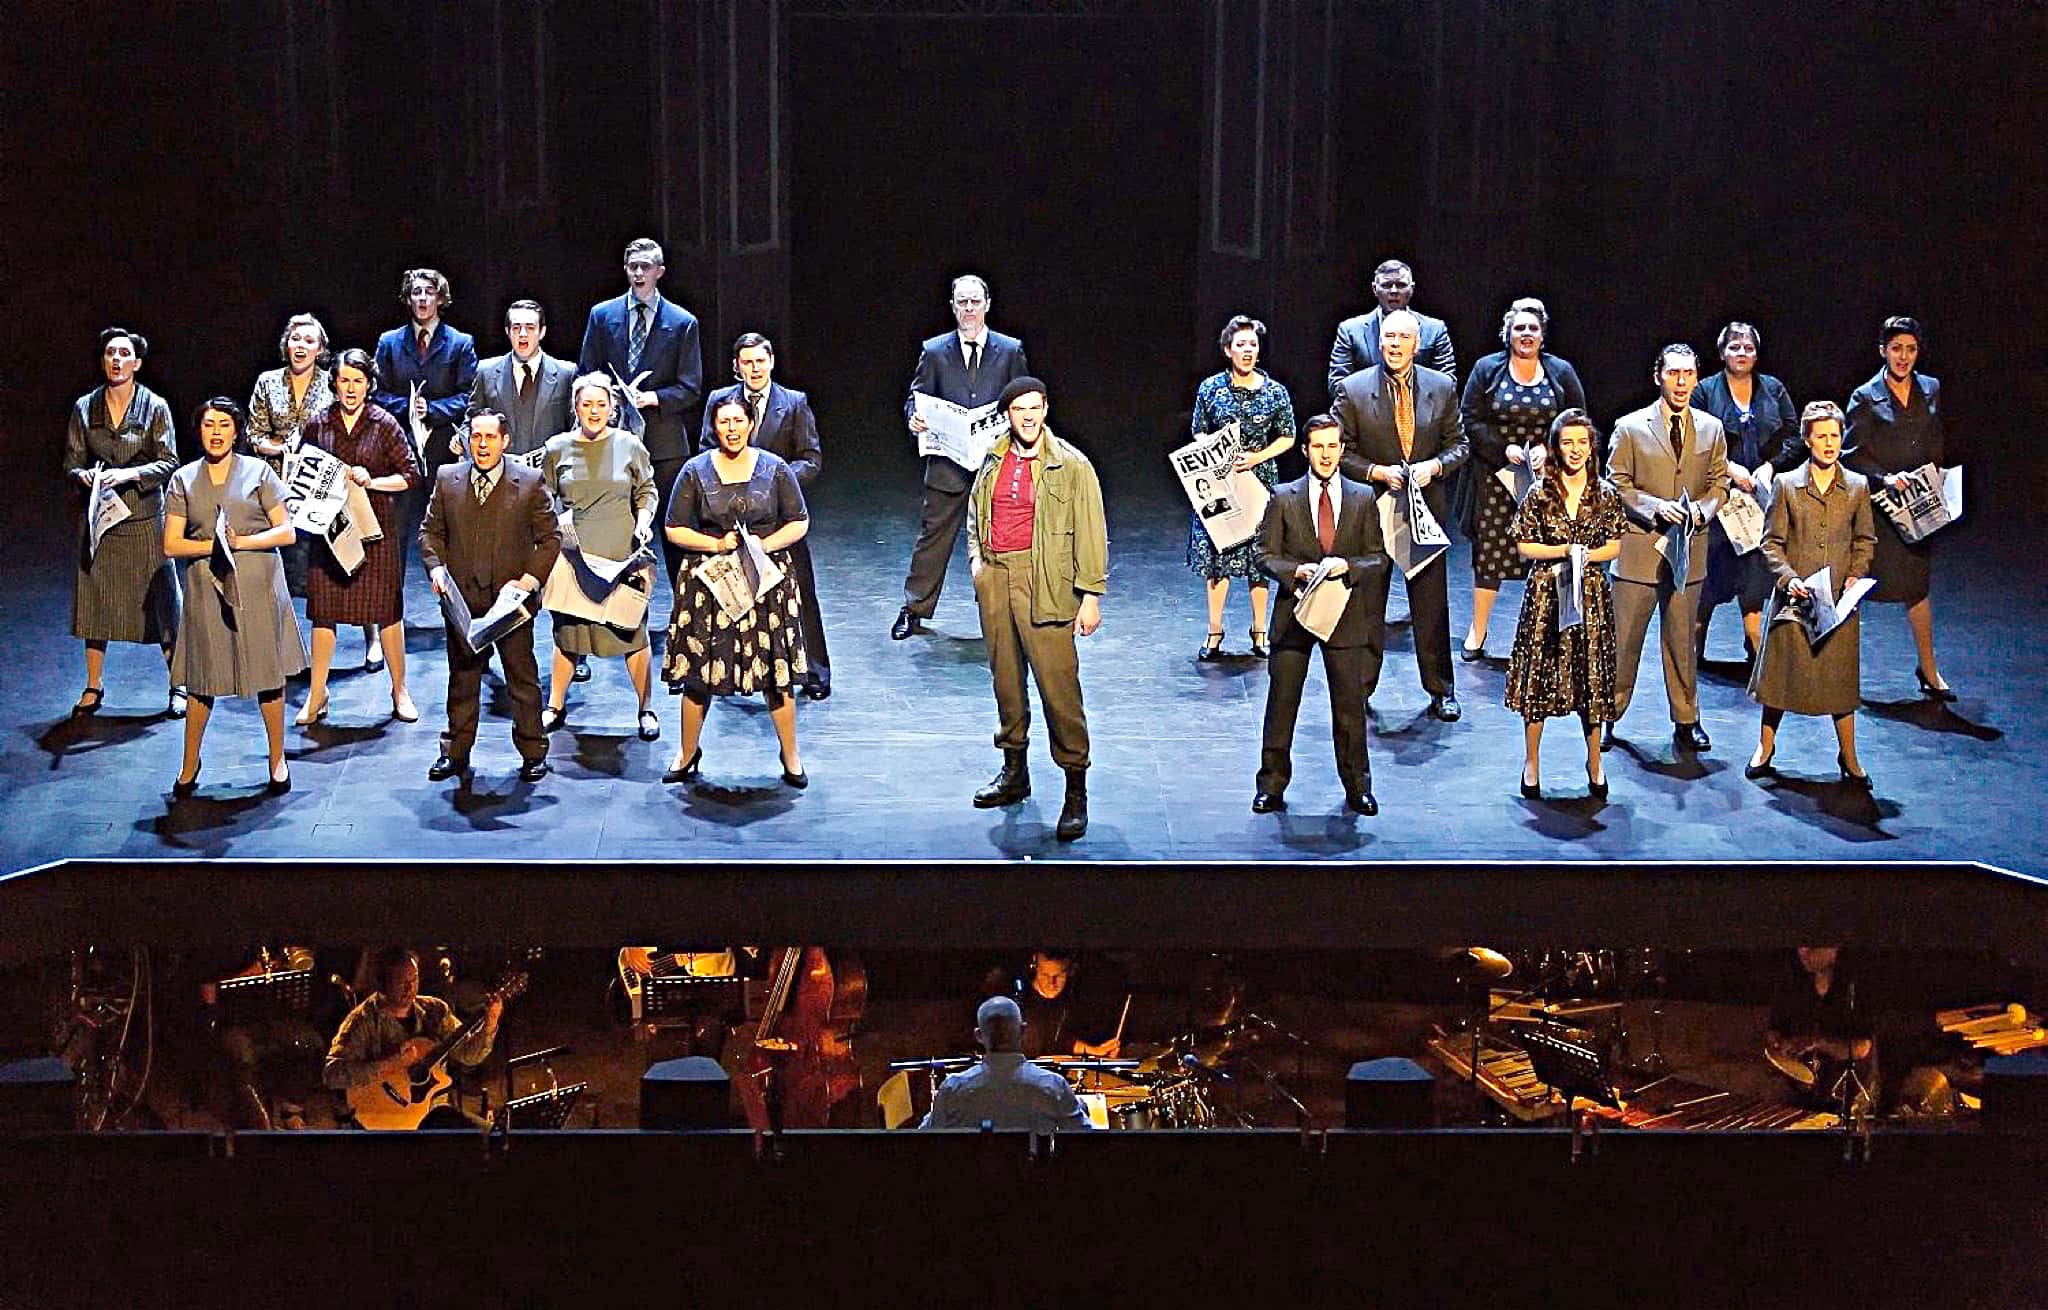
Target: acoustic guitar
[(401, 1104)]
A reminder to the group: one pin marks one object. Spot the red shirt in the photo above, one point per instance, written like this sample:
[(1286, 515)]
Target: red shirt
[(1010, 509)]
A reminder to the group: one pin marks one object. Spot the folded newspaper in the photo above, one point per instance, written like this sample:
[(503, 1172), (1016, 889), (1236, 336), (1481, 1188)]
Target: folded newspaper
[(962, 435), (1674, 542), (1414, 539), (508, 611), (324, 503), (1517, 478), (106, 507), (1570, 574), (609, 591), (738, 579), (1932, 500), (1742, 518), (1231, 503), (220, 565), (626, 414), (1320, 599), (1822, 611)]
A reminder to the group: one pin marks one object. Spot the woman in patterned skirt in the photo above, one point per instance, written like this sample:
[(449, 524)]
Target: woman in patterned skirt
[(1508, 404), (281, 402), (1553, 671), (245, 643), (1264, 415), (380, 460), (124, 590), (602, 480), (710, 654)]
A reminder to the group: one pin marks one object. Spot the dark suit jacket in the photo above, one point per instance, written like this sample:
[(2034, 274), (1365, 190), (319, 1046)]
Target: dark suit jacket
[(496, 388), (1287, 539), (1357, 347), (444, 379), (1365, 410), (942, 372), (672, 357), (788, 428), (485, 546)]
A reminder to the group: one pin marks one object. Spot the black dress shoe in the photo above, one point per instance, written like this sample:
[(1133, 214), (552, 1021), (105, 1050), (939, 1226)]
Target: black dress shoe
[(818, 691), (1932, 692), (688, 772), (445, 767), (581, 672), (1011, 784), (1268, 802), (1446, 708), (533, 770), (1361, 802), (1690, 737), (1860, 781), (906, 624)]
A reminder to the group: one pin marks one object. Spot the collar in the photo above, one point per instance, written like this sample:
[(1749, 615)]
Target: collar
[(1003, 1059), (490, 475), (966, 341), (1048, 448), (1682, 415), (1406, 376), (653, 302), (432, 329)]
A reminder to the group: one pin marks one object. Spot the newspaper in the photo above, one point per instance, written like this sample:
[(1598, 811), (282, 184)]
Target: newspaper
[(1570, 575), (1822, 611), (220, 565), (1674, 542), (609, 591), (323, 503), (630, 416), (1933, 499), (532, 458), (1742, 518), (507, 612), (1319, 601), (1414, 539), (1517, 478), (738, 579), (417, 426), (104, 507), (960, 434), (1231, 503)]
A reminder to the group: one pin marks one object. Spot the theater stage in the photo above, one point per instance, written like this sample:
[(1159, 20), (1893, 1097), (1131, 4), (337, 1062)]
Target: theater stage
[(900, 747)]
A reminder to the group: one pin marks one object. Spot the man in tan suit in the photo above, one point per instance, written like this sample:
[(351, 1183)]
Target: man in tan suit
[(490, 525), (1656, 455)]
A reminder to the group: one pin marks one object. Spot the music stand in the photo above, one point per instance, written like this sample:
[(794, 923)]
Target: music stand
[(1570, 1068), (264, 996), (687, 999), (544, 1110)]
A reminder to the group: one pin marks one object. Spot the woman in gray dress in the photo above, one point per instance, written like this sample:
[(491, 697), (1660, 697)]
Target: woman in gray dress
[(123, 590), (1820, 516), (238, 639), (602, 479)]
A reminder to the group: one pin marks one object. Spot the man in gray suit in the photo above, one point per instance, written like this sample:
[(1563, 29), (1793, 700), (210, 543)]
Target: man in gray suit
[(527, 385), (1357, 347), (1401, 420), (1657, 454)]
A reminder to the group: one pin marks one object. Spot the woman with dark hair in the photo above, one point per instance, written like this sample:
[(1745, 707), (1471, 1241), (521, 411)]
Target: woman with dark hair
[(1763, 441), (602, 479), (367, 439), (1820, 518), (123, 590), (735, 484), (1264, 413), (1507, 407), (1557, 670), (1894, 427), (244, 641)]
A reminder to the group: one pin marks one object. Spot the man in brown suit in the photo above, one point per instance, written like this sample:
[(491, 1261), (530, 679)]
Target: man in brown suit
[(490, 525)]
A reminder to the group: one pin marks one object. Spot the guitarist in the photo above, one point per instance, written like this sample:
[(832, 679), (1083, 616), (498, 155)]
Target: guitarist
[(395, 1026)]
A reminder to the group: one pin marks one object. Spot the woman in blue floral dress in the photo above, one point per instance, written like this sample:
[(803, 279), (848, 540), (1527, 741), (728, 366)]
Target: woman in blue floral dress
[(1264, 415)]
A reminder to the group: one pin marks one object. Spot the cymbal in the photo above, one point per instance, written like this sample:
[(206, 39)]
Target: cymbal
[(1477, 962)]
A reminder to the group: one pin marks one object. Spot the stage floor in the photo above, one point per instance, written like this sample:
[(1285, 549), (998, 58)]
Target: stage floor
[(898, 750)]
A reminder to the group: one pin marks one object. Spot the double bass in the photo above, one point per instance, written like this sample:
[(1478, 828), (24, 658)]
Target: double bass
[(799, 1063)]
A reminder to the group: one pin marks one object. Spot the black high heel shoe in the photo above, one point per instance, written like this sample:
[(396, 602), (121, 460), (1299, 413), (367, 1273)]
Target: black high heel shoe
[(688, 772), (277, 786), (1930, 691), (1596, 787), (1211, 649), (1760, 768), (1531, 791), (1260, 650), (183, 787), (798, 780), (1860, 781)]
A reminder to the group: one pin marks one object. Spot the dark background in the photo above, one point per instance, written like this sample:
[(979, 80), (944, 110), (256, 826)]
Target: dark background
[(1650, 169)]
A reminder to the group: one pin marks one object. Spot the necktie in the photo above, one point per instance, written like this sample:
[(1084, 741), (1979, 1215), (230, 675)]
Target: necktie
[(1404, 417), (973, 361), (639, 341), (1677, 437), (1326, 522), (525, 383), (754, 410), (425, 336), (482, 483)]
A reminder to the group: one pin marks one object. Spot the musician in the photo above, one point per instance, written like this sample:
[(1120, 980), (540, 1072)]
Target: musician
[(284, 1043), (1005, 1090), (1814, 1020), (1057, 1013), (395, 1026)]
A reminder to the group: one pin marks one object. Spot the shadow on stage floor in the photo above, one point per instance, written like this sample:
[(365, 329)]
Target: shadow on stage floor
[(906, 738)]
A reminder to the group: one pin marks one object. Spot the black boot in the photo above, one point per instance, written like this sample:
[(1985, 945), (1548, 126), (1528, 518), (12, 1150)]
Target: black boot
[(1009, 786), (1074, 814)]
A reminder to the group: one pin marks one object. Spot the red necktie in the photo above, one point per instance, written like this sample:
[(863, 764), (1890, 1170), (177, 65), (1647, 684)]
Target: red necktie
[(423, 345), (1326, 523)]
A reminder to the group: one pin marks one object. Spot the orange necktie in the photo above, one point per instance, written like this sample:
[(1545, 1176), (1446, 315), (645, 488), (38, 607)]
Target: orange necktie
[(1404, 417)]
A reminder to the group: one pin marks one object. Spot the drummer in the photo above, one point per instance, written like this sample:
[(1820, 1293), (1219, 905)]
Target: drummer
[(1060, 1018), (1005, 1090)]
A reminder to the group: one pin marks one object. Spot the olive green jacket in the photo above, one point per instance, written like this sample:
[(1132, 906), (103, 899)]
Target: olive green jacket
[(1069, 536)]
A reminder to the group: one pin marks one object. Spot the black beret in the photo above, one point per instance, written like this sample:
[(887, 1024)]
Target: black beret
[(1021, 387)]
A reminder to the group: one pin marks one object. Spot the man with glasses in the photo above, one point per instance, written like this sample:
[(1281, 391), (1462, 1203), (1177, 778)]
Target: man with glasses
[(1357, 347), (969, 366)]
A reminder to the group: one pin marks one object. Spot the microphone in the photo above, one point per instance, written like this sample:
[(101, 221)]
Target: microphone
[(1195, 1066), (544, 1053)]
